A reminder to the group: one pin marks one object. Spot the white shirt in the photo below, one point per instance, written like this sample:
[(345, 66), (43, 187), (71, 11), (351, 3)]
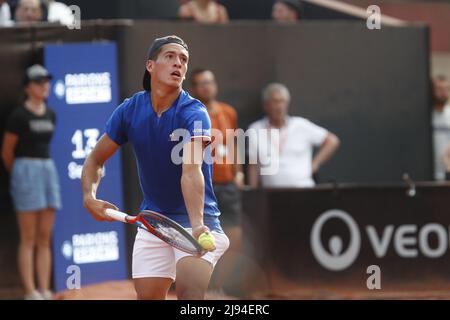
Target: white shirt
[(5, 15), (441, 139), (60, 12), (294, 144)]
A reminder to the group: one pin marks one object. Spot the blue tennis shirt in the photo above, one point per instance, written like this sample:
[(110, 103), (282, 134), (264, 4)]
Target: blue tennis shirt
[(157, 143)]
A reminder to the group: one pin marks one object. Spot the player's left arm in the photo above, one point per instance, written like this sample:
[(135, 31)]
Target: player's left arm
[(193, 184)]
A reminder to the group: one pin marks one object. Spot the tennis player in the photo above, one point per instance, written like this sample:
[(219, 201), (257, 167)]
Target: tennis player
[(181, 190)]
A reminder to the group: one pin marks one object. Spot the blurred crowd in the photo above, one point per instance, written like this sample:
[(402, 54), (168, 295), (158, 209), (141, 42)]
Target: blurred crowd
[(20, 12)]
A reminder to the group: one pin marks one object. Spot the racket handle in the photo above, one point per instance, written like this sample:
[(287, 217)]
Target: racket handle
[(116, 215)]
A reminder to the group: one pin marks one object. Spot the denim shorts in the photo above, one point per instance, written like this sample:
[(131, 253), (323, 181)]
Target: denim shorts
[(35, 184)]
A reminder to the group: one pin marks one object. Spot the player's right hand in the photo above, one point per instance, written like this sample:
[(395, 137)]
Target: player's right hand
[(97, 207)]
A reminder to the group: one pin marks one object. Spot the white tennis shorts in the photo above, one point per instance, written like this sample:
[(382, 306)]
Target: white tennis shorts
[(152, 257)]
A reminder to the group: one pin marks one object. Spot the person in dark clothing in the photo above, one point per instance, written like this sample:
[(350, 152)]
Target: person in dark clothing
[(34, 181)]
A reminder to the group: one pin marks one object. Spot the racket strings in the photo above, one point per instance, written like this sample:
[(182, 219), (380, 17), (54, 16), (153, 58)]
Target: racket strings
[(170, 234)]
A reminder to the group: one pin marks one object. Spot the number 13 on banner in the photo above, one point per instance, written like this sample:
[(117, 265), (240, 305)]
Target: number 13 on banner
[(84, 141), (77, 139)]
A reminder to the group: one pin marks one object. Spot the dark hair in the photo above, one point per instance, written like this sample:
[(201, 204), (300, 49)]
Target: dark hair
[(155, 54), (441, 77), (23, 96), (196, 72)]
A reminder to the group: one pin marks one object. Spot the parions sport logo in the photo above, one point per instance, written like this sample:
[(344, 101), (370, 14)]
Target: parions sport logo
[(407, 241), (84, 88)]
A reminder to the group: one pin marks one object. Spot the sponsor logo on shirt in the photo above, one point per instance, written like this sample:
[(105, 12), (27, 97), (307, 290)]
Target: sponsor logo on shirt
[(201, 132), (41, 125)]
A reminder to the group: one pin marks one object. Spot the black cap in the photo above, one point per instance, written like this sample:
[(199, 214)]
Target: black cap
[(35, 73), (156, 45)]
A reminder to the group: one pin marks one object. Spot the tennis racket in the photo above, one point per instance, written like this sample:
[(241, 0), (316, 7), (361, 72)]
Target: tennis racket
[(164, 228)]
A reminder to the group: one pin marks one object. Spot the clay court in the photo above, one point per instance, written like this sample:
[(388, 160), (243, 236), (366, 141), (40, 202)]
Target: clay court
[(124, 290)]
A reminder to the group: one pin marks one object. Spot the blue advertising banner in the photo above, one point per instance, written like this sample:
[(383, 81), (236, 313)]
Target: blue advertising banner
[(83, 94)]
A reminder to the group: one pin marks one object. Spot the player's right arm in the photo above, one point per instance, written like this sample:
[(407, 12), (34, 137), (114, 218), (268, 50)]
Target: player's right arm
[(91, 176)]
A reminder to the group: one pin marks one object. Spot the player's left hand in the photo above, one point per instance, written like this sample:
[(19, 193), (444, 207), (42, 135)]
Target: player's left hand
[(198, 230)]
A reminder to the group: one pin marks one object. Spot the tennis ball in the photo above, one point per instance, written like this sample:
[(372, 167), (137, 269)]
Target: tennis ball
[(207, 241)]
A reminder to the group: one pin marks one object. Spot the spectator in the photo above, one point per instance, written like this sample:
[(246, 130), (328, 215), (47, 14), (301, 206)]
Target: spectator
[(59, 12), (5, 14), (297, 137), (228, 178), (441, 123), (203, 11), (34, 181), (29, 11), (286, 11)]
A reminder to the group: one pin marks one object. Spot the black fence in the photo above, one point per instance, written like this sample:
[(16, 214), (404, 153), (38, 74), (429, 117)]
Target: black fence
[(329, 236)]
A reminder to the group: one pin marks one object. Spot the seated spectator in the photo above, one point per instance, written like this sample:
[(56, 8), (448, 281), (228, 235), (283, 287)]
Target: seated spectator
[(29, 11), (294, 162), (203, 11), (441, 123), (5, 14), (286, 11)]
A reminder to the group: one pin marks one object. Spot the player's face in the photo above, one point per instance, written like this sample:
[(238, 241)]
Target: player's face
[(38, 89), (276, 106), (204, 86), (170, 66)]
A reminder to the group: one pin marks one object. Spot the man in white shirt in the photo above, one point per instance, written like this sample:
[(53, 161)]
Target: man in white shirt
[(294, 141), (441, 124)]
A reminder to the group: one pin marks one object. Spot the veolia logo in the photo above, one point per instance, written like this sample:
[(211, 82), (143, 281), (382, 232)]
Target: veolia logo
[(335, 258)]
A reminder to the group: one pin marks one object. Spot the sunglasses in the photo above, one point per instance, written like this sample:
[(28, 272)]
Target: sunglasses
[(40, 81)]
